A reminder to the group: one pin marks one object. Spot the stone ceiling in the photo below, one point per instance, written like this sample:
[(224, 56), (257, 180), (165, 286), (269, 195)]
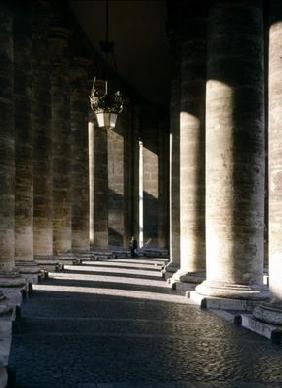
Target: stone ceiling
[(141, 45)]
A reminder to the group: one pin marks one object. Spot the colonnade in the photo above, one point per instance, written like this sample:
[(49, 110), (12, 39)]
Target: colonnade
[(67, 186), (221, 83)]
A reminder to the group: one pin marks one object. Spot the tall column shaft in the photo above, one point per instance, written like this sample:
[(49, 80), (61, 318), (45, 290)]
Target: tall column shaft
[(192, 154), (42, 137), (272, 312), (163, 224), (100, 186), (116, 182), (235, 151), (80, 162), (8, 276), (91, 176), (61, 162), (7, 145), (174, 171), (135, 144), (275, 151), (150, 187), (23, 142)]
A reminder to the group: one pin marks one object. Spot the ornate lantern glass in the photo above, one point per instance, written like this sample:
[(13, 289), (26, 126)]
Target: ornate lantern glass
[(106, 106)]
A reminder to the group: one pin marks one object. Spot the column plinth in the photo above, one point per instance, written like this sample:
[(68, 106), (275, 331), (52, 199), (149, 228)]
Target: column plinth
[(269, 313), (229, 290)]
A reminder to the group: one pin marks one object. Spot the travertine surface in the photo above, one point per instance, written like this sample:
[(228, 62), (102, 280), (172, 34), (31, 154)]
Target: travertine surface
[(7, 143), (61, 157), (23, 140), (275, 151), (235, 150), (79, 104), (42, 137)]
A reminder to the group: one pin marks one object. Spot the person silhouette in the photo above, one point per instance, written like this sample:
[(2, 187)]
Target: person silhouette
[(133, 246)]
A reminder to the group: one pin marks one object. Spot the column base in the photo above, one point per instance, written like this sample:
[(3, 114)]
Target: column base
[(12, 279), (186, 281), (169, 269), (65, 258), (269, 313), (5, 305), (232, 291), (220, 303), (47, 263), (29, 270), (272, 332)]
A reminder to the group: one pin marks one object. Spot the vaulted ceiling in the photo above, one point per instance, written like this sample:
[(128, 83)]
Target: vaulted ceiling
[(138, 29)]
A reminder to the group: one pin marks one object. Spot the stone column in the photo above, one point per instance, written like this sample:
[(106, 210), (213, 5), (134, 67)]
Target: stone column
[(192, 155), (61, 157), (80, 161), (91, 176), (150, 186), (272, 312), (135, 138), (163, 224), (116, 182), (235, 151), (23, 136), (42, 139), (174, 171), (100, 187), (9, 277), (129, 175)]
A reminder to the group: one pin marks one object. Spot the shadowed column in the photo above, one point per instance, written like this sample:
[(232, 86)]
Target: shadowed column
[(174, 253), (8, 275), (272, 313), (150, 187), (61, 161), (42, 139), (192, 155), (100, 187), (23, 136), (116, 181), (235, 151), (163, 224), (80, 162)]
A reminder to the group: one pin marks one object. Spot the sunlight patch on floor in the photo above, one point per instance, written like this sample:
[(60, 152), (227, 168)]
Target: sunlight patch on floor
[(114, 292)]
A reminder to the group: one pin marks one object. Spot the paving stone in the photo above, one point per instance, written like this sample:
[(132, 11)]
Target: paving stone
[(86, 340)]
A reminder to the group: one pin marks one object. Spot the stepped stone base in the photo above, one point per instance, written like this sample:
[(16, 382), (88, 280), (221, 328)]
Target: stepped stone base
[(221, 289), (212, 302), (180, 286), (269, 313), (12, 279), (186, 281), (47, 263), (169, 269), (273, 332), (29, 270)]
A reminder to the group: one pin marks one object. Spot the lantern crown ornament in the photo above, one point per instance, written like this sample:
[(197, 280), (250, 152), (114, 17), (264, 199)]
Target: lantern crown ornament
[(106, 105)]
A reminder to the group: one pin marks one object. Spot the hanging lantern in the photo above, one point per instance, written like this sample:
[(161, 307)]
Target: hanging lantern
[(106, 106)]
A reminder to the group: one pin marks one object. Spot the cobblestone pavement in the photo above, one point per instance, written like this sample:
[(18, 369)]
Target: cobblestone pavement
[(116, 324)]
